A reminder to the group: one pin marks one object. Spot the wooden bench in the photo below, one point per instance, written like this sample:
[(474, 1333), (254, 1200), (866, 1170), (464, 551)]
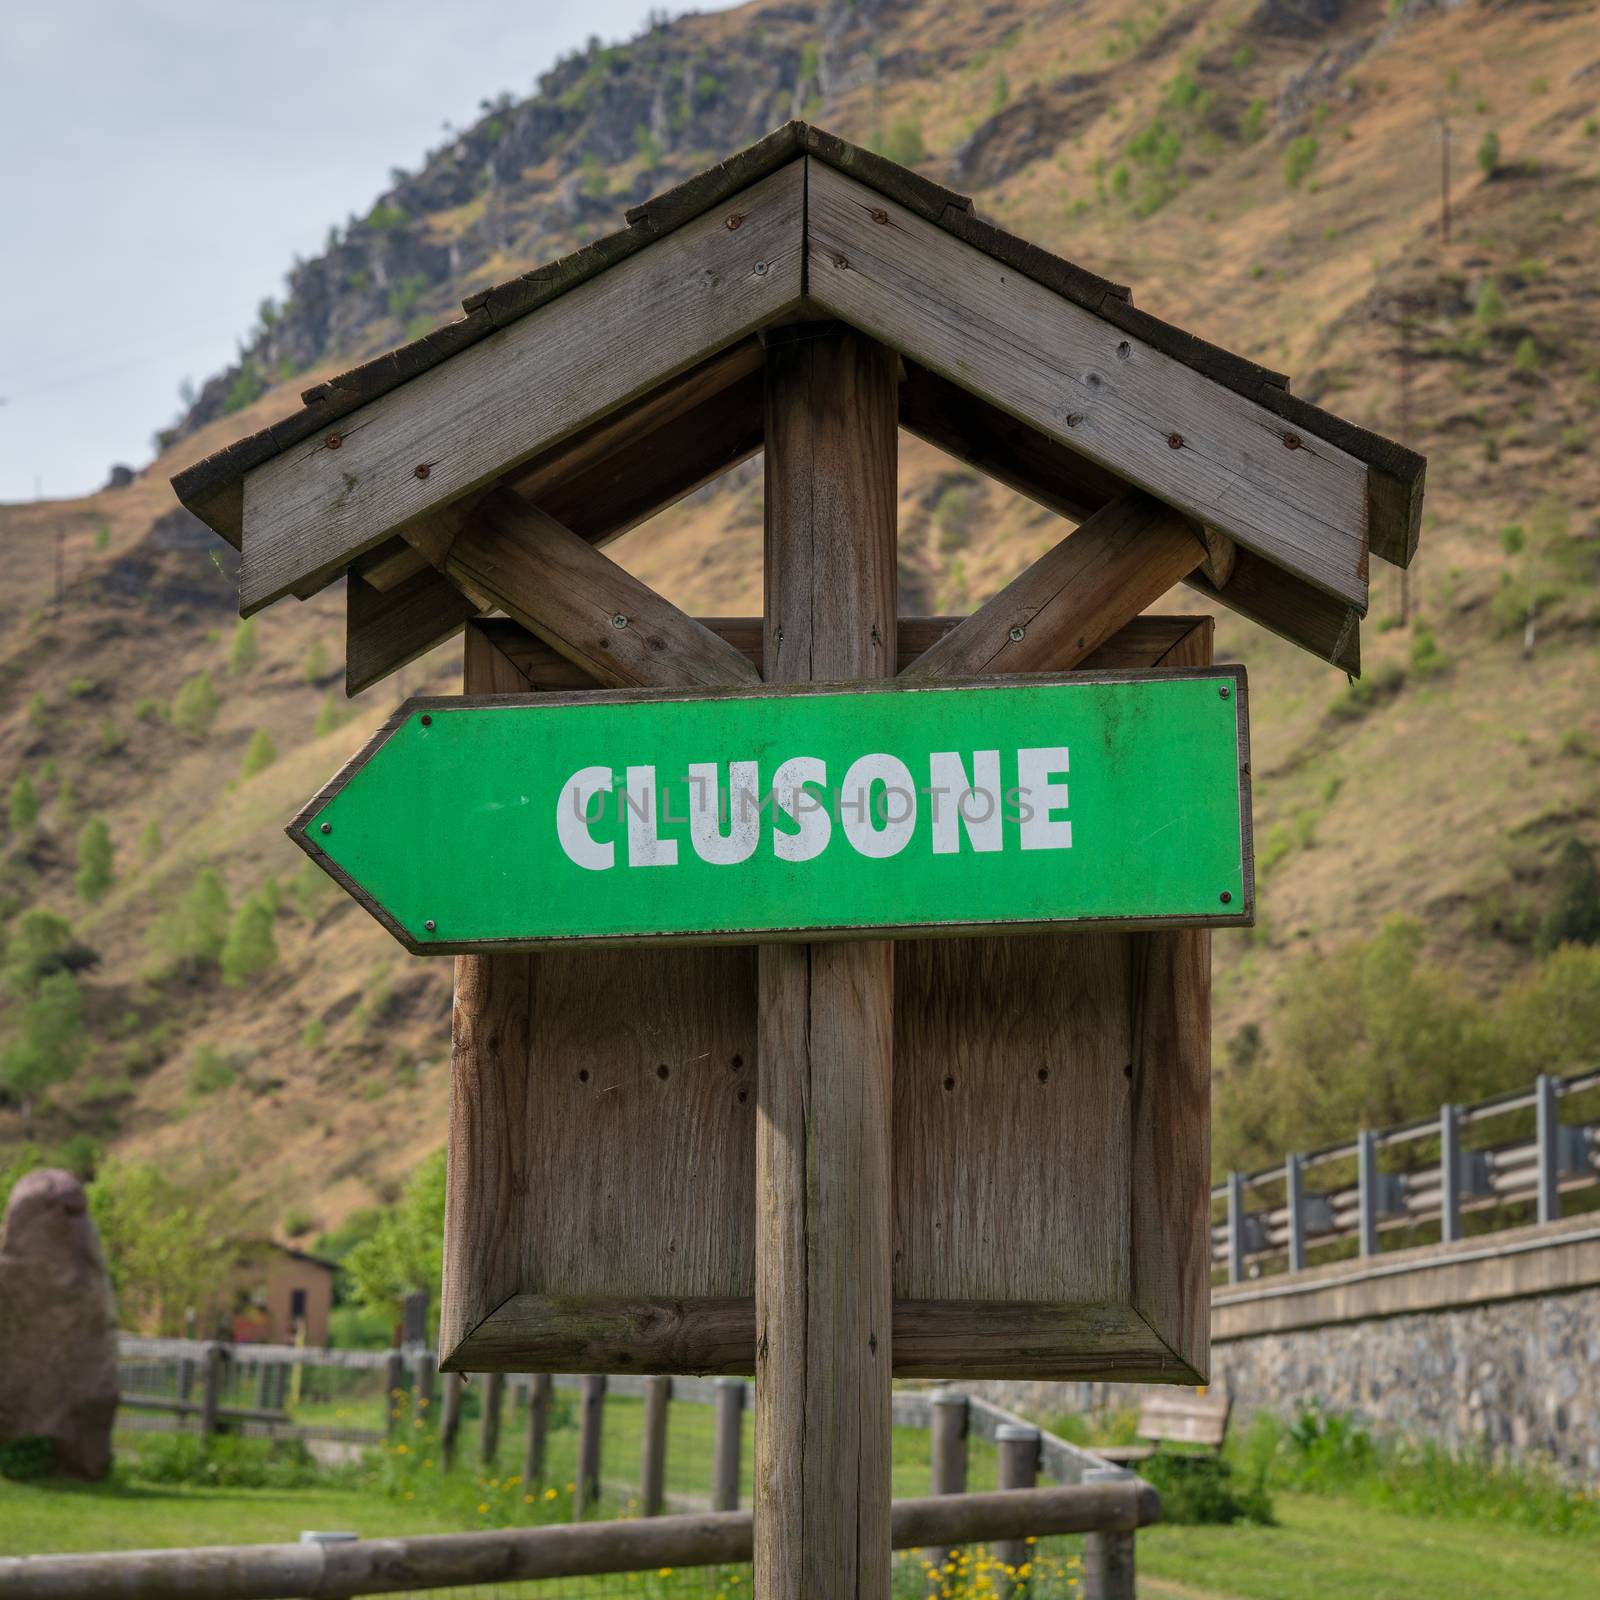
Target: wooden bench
[(1182, 1416)]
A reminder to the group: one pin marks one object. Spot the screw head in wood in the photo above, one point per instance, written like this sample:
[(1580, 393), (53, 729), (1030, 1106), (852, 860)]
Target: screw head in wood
[(1017, 633), (1175, 441), (619, 621), (334, 440), (429, 924), (423, 469), (1124, 350), (734, 223), (327, 827), (1225, 897), (1291, 441), (1074, 418), (878, 214), (1224, 691), (761, 269), (427, 721)]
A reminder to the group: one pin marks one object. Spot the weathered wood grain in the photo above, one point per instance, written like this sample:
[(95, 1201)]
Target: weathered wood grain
[(1073, 597), (1200, 447), (386, 630), (1170, 1168), (823, 1295), (1058, 478), (507, 397), (599, 616)]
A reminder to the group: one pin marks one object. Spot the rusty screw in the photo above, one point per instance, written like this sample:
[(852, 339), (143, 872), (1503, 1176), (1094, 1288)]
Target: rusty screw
[(878, 214), (1175, 441), (1291, 441), (841, 262), (334, 440), (734, 223), (423, 469), (1226, 898)]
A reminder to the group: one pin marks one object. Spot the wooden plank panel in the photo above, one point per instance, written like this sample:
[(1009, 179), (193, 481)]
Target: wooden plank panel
[(1011, 1058), (598, 615), (1170, 1219), (1209, 452), (1075, 596), (313, 509)]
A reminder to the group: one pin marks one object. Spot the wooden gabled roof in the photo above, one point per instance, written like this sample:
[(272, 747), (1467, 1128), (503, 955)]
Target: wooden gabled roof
[(1031, 367)]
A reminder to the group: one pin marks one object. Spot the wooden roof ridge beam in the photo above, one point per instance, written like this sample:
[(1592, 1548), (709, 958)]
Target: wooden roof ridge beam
[(600, 617), (1210, 452), (1075, 596), (459, 426)]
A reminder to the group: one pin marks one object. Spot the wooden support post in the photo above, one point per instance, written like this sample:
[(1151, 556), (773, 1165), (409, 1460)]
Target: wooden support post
[(1235, 1227), (394, 1377), (538, 1428), (422, 1392), (1367, 1189), (653, 1451), (211, 1388), (591, 1424), (494, 1395), (1108, 1566), (1294, 1183), (1449, 1174), (726, 1444), (1547, 1125), (450, 1417), (1018, 1449), (823, 1224), (947, 1441)]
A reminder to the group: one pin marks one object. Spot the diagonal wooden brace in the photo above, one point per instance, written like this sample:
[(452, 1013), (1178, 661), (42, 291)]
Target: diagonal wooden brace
[(580, 602), (1075, 596)]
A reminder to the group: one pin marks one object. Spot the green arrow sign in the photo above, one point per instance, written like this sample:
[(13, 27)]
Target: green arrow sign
[(1118, 800)]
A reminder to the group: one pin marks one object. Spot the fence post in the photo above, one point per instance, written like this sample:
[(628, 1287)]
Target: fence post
[(1108, 1570), (422, 1391), (1547, 1113), (1449, 1174), (726, 1442), (394, 1377), (211, 1389), (947, 1441), (1017, 1446), (494, 1395), (591, 1420), (450, 1418), (1294, 1183), (1367, 1179), (263, 1385), (185, 1378), (538, 1423), (1235, 1227), (281, 1389), (653, 1448)]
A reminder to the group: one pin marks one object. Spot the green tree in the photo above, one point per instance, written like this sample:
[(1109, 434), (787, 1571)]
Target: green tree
[(1490, 305), (95, 859), (1574, 914), (169, 1246), (905, 144), (405, 1249), (329, 716), (315, 667), (260, 755), (1299, 156), (194, 931), (1489, 153), (1549, 1020), (1525, 360), (243, 650), (24, 807), (150, 841), (40, 944), (194, 707), (250, 948), (47, 1043)]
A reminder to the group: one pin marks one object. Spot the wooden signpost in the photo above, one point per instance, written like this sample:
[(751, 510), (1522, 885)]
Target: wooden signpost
[(778, 1047), (736, 814)]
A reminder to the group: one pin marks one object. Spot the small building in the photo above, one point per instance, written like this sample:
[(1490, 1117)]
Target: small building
[(285, 1295)]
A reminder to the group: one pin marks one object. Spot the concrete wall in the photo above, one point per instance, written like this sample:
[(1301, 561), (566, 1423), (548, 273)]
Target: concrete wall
[(1493, 1340)]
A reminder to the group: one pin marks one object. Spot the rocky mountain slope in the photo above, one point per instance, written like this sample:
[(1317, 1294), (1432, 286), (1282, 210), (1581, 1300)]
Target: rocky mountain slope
[(1265, 173)]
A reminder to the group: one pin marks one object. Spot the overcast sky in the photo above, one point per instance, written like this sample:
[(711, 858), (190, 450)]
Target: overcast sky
[(161, 162)]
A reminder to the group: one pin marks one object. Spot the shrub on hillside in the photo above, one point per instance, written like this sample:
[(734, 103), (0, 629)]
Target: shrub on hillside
[(250, 948), (329, 716), (1574, 914), (1299, 156), (210, 1072), (149, 846), (24, 807), (904, 142), (1489, 153), (315, 667), (242, 651), (192, 933), (260, 754), (95, 857), (194, 707), (46, 1042)]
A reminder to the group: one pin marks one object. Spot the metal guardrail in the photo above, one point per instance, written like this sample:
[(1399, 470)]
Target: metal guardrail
[(1561, 1157)]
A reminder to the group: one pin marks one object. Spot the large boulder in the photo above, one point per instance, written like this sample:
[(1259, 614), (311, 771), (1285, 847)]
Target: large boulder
[(58, 1325)]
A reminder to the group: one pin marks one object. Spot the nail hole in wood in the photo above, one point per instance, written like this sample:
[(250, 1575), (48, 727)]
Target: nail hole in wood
[(949, 1083), (583, 1074), (1044, 1074), (736, 1063), (663, 1072)]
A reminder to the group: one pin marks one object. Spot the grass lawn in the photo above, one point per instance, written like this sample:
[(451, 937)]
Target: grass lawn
[(1330, 1549)]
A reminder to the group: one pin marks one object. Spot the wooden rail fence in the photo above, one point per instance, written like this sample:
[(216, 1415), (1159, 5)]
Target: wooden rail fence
[(1560, 1158)]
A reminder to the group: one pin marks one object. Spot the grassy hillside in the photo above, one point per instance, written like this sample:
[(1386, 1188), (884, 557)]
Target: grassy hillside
[(1267, 175)]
